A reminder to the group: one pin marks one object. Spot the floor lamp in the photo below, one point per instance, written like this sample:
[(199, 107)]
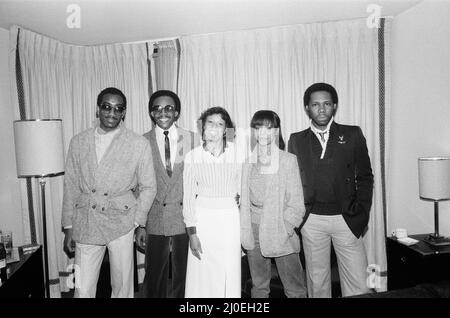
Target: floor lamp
[(434, 185), (40, 154)]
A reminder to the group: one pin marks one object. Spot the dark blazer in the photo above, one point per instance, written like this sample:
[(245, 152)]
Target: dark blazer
[(353, 178), (165, 216)]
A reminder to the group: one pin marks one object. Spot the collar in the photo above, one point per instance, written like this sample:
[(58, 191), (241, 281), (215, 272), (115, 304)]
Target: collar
[(100, 132), (316, 131), (172, 131)]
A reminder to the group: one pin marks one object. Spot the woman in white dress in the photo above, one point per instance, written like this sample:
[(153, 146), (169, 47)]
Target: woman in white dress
[(211, 179)]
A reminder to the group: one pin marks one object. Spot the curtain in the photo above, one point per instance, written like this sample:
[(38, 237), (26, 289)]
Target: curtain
[(165, 59), (245, 71), (62, 81)]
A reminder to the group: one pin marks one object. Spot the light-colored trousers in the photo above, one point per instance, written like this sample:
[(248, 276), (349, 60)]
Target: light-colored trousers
[(317, 234), (88, 260)]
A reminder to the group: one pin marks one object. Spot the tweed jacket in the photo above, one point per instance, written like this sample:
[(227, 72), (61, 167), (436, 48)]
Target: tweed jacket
[(99, 201), (283, 208), (165, 216), (352, 172)]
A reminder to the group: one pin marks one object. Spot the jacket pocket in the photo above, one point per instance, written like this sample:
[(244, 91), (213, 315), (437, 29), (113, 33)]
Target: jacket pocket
[(124, 203), (353, 207), (81, 202)]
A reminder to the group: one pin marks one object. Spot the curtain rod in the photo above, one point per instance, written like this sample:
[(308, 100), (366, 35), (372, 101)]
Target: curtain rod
[(153, 40)]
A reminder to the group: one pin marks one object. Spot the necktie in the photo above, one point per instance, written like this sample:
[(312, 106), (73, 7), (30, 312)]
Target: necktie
[(322, 136), (167, 153)]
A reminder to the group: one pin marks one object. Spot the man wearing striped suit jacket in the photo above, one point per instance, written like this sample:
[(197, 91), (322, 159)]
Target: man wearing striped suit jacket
[(165, 233)]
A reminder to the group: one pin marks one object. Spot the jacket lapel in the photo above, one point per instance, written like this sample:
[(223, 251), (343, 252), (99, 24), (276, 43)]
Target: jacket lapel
[(92, 154), (157, 156), (332, 140), (115, 143), (178, 165), (107, 162), (92, 157), (305, 148)]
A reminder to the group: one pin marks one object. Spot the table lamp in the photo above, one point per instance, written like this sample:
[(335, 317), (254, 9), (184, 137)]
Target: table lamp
[(40, 154), (434, 185)]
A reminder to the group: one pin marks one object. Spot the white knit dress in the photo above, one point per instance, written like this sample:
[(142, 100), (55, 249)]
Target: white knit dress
[(210, 187)]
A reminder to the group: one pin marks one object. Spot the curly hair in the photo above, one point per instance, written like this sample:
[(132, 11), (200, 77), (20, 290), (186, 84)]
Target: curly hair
[(224, 115)]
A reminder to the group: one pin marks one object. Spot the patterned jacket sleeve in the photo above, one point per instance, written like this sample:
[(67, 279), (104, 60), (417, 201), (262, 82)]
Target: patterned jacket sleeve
[(146, 179), (295, 207), (71, 187)]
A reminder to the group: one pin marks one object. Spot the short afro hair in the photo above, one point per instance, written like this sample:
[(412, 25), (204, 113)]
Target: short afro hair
[(317, 87), (167, 93), (112, 91)]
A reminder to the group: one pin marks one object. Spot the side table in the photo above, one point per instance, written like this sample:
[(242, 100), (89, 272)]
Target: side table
[(419, 263)]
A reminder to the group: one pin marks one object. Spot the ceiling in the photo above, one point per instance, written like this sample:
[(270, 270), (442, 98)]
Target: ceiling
[(115, 21)]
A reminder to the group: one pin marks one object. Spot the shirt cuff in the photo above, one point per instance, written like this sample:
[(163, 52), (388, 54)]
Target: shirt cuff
[(290, 229), (136, 225), (191, 230), (67, 227)]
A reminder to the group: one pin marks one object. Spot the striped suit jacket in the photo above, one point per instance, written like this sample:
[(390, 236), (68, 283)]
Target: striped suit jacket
[(165, 216)]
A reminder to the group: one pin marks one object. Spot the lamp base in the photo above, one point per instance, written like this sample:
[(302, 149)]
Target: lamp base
[(437, 240)]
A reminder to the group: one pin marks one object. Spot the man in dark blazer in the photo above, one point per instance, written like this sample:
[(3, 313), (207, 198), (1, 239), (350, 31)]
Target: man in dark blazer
[(165, 232), (337, 184)]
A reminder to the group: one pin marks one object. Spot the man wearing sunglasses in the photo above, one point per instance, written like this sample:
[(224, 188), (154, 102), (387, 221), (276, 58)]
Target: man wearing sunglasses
[(104, 167), (164, 239)]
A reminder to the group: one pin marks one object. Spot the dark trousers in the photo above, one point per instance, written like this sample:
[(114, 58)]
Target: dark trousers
[(157, 254)]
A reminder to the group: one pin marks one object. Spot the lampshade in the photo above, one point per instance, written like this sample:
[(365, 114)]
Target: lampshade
[(434, 178), (39, 147)]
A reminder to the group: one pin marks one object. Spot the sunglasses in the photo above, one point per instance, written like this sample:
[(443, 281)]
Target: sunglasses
[(160, 108), (117, 109)]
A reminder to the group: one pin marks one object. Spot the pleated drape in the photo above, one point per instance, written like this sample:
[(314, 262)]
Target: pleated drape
[(245, 71), (63, 81)]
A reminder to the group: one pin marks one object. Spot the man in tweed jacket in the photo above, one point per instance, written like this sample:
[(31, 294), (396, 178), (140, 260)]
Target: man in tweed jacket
[(104, 166), (164, 238)]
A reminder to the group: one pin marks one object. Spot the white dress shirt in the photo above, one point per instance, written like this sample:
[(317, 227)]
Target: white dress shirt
[(326, 135), (173, 141)]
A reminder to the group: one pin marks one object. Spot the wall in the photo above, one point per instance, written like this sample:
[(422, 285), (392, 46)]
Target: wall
[(420, 118), (10, 207)]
